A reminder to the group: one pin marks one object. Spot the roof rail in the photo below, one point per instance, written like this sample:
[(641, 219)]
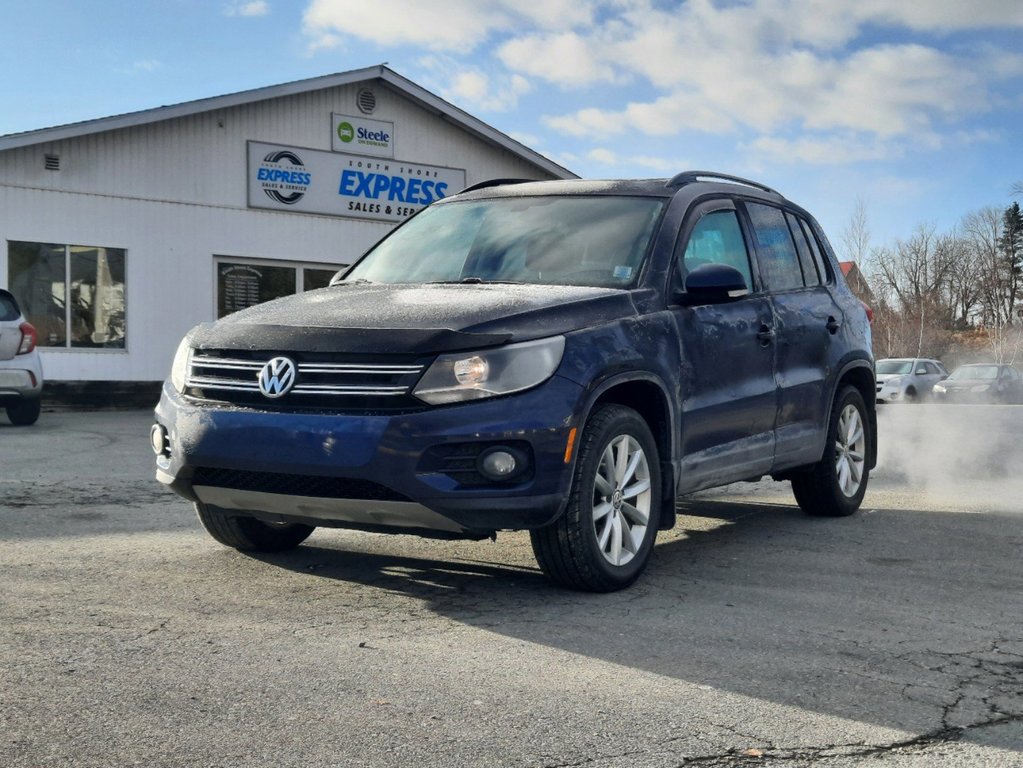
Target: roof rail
[(689, 177), (494, 183)]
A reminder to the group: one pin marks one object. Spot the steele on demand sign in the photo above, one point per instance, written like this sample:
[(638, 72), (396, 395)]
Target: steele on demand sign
[(335, 184), (362, 136)]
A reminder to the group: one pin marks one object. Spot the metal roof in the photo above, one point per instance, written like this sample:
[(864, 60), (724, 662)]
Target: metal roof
[(416, 93)]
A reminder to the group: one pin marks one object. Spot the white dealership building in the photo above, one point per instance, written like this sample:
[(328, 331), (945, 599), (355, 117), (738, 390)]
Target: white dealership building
[(117, 235)]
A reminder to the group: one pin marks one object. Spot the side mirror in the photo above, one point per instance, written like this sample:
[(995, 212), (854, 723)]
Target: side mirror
[(921, 371), (713, 284)]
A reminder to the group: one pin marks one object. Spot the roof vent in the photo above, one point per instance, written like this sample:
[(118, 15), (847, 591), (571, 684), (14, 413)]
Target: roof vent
[(51, 162), (367, 101)]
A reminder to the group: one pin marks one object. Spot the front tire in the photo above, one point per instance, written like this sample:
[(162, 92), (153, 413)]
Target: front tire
[(834, 486), (249, 534), (603, 540)]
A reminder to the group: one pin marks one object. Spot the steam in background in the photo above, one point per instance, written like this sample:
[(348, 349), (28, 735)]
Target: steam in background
[(967, 454)]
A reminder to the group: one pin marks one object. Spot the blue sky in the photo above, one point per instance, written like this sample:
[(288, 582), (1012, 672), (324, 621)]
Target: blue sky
[(913, 107)]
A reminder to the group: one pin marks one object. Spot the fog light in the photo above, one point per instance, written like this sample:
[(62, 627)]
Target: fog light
[(498, 464), (158, 439)]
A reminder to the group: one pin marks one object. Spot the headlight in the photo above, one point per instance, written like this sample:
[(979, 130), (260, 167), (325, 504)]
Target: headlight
[(895, 382), (475, 375), (940, 388), (182, 361), (980, 388)]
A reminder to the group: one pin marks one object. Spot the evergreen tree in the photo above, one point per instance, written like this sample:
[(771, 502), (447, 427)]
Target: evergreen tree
[(1010, 245)]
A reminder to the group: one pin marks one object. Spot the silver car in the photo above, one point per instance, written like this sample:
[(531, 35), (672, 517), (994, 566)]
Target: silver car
[(21, 371), (908, 379)]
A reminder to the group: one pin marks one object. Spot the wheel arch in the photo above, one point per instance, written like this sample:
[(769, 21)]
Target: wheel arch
[(648, 396), (860, 374)]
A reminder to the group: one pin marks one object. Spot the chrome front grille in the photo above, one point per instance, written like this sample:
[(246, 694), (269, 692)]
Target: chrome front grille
[(322, 381)]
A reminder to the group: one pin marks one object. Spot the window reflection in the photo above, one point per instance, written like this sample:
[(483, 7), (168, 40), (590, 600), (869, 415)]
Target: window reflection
[(74, 287), (97, 297)]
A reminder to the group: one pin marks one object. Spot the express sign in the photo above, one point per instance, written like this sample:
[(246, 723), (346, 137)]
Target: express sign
[(313, 181)]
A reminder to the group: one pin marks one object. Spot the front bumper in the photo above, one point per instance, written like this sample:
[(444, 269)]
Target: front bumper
[(890, 393), (966, 396), (373, 470)]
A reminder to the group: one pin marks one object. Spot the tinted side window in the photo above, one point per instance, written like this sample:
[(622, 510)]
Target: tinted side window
[(717, 239), (931, 368), (810, 276), (776, 253)]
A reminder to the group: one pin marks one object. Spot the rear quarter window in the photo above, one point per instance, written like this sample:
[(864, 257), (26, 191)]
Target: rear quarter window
[(8, 307)]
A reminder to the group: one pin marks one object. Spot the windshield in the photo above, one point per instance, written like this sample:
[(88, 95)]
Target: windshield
[(598, 241), (975, 372), (894, 366)]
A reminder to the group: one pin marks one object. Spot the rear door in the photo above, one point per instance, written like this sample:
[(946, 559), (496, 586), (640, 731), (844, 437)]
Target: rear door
[(10, 326), (807, 320), (727, 350)]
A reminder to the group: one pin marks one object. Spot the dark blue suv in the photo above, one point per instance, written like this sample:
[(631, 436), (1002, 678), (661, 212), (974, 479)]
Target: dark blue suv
[(565, 357)]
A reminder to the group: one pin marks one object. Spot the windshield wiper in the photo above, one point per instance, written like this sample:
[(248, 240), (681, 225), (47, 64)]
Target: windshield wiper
[(474, 280)]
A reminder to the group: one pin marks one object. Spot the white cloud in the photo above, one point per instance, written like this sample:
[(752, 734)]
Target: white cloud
[(766, 65), (836, 150), (474, 88), (567, 58), (251, 8), (141, 66), (846, 73), (459, 25), (602, 156), (454, 25), (660, 164)]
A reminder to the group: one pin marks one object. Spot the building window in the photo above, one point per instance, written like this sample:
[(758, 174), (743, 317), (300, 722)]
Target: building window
[(72, 294), (243, 283)]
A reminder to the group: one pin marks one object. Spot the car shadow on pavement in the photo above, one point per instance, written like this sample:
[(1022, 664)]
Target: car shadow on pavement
[(874, 617)]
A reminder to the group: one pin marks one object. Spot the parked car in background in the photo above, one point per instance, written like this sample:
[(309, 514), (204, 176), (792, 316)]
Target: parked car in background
[(21, 371), (981, 383), (907, 379)]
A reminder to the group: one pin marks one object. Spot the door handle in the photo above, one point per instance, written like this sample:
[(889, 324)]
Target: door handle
[(765, 335), (833, 325)]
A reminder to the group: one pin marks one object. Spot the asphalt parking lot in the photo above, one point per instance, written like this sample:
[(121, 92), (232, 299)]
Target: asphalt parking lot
[(758, 636)]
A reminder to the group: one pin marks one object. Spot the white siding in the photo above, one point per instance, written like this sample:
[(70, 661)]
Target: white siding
[(173, 195)]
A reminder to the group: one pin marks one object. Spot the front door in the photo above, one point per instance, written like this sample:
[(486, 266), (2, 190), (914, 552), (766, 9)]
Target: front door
[(727, 384)]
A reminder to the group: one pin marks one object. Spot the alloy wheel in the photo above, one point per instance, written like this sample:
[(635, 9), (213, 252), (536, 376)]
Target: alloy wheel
[(850, 450), (621, 500)]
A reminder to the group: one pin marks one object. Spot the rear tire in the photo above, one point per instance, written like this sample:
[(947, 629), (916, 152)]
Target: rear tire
[(25, 412), (603, 540), (834, 486), (249, 534)]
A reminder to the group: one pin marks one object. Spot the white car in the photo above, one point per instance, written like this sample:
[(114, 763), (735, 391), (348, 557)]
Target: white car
[(21, 371), (908, 379)]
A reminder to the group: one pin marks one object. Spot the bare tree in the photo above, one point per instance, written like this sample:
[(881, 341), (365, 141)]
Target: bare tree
[(856, 235), (1006, 343), (982, 230), (916, 269), (963, 287)]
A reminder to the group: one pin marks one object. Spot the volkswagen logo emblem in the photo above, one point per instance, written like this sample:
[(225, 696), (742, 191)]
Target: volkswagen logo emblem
[(277, 377)]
